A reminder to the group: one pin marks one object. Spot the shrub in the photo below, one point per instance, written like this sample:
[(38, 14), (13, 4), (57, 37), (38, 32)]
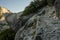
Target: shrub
[(7, 34)]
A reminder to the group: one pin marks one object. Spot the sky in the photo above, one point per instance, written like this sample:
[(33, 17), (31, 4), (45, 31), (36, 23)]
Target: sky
[(15, 5)]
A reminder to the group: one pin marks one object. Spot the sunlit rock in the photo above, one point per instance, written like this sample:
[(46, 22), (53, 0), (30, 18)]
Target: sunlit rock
[(3, 11)]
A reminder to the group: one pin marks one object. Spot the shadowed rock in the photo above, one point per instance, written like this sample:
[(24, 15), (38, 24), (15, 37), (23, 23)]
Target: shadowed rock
[(57, 6)]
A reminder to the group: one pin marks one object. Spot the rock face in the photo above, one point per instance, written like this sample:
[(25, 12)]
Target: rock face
[(42, 26), (11, 18)]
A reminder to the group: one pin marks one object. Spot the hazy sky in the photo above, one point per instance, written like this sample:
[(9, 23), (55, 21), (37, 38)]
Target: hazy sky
[(15, 5)]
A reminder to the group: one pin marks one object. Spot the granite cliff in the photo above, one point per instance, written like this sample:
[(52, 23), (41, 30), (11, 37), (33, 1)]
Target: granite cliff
[(43, 25), (39, 21)]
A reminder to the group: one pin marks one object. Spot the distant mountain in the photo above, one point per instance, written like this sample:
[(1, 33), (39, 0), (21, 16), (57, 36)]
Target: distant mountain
[(3, 11)]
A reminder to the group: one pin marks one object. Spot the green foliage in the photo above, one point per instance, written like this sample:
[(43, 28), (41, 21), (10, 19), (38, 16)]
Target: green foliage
[(9, 23), (3, 24), (7, 34), (34, 7), (29, 9)]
